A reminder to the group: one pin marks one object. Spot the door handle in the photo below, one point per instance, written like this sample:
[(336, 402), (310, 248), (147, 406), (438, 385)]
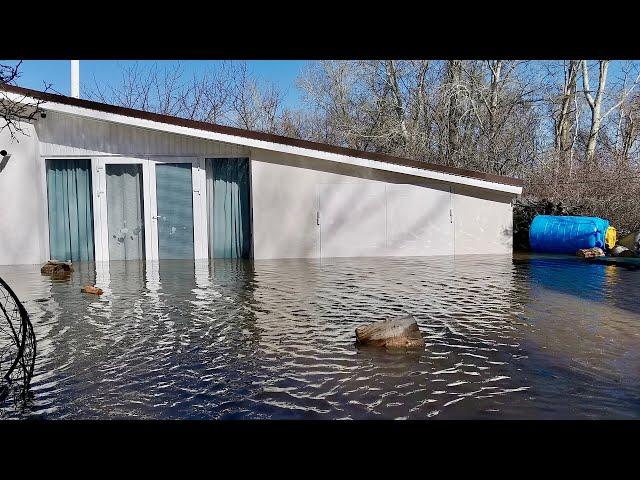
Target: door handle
[(318, 217)]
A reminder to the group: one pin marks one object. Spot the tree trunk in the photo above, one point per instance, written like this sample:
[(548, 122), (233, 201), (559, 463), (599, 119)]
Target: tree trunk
[(563, 129), (392, 79), (454, 75), (596, 106)]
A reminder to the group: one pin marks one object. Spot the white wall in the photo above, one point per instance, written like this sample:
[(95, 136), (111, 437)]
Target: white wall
[(22, 200), (368, 212), (483, 221), (387, 213), (24, 235)]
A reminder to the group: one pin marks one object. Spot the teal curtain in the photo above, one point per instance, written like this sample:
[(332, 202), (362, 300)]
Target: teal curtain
[(125, 214), (228, 207), (175, 210), (70, 210)]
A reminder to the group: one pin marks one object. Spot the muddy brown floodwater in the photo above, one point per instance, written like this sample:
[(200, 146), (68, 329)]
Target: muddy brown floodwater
[(506, 337)]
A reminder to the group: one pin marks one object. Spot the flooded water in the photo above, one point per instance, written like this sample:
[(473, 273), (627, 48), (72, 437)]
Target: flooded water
[(523, 337)]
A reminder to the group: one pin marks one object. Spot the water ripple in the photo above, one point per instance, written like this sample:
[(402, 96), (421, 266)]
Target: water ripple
[(528, 337)]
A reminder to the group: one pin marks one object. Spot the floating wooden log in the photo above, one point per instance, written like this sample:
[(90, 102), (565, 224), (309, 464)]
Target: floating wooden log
[(590, 252), (54, 267), (92, 289), (395, 333)]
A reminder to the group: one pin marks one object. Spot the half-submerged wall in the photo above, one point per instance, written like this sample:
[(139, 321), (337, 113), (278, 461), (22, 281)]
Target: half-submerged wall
[(483, 220), (24, 235), (22, 201), (303, 207)]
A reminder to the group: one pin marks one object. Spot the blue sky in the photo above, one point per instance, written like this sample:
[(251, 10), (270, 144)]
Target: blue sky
[(281, 72), (57, 72)]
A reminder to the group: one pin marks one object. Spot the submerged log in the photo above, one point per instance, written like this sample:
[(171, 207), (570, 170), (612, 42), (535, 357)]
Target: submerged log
[(590, 252), (395, 333), (54, 267), (91, 289)]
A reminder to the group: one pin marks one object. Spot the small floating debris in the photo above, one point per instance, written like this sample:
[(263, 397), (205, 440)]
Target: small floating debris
[(92, 289), (395, 333), (590, 252)]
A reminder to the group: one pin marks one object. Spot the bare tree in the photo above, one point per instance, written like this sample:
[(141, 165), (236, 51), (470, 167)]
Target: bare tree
[(534, 120), (595, 104), (16, 110), (228, 95), (563, 125)]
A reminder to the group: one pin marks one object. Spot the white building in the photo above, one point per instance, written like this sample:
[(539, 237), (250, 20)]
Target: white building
[(93, 181)]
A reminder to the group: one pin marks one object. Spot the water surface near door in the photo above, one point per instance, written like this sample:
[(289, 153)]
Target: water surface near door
[(522, 337)]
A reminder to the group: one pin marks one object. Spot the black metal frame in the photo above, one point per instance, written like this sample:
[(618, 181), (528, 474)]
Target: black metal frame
[(24, 339)]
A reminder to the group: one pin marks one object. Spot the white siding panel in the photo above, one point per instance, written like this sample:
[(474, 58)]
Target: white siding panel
[(363, 212), (66, 135), (483, 222), (352, 219), (418, 220), (356, 204), (24, 237)]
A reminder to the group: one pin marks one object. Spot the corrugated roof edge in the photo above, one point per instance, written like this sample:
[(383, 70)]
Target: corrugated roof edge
[(267, 137)]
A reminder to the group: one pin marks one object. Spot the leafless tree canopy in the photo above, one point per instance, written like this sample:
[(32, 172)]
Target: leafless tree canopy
[(568, 128), (228, 95), (14, 113)]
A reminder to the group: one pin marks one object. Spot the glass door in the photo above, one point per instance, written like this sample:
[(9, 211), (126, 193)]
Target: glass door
[(122, 209), (125, 211), (176, 208), (174, 217), (149, 208)]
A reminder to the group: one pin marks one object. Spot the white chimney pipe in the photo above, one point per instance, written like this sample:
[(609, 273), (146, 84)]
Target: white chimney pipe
[(75, 78)]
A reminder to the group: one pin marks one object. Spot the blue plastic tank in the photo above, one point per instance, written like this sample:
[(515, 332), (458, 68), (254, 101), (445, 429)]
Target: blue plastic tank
[(566, 234)]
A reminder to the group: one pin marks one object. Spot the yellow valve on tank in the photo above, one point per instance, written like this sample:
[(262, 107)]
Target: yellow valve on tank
[(610, 238)]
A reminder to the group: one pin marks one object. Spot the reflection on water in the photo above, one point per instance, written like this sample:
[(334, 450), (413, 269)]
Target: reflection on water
[(522, 337)]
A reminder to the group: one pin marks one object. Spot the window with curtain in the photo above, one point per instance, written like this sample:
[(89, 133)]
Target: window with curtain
[(70, 210), (228, 207), (125, 214)]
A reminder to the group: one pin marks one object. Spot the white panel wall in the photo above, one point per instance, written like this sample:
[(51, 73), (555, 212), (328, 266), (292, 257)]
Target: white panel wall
[(23, 210), (67, 135), (286, 194), (362, 211), (419, 220), (483, 221), (353, 219)]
